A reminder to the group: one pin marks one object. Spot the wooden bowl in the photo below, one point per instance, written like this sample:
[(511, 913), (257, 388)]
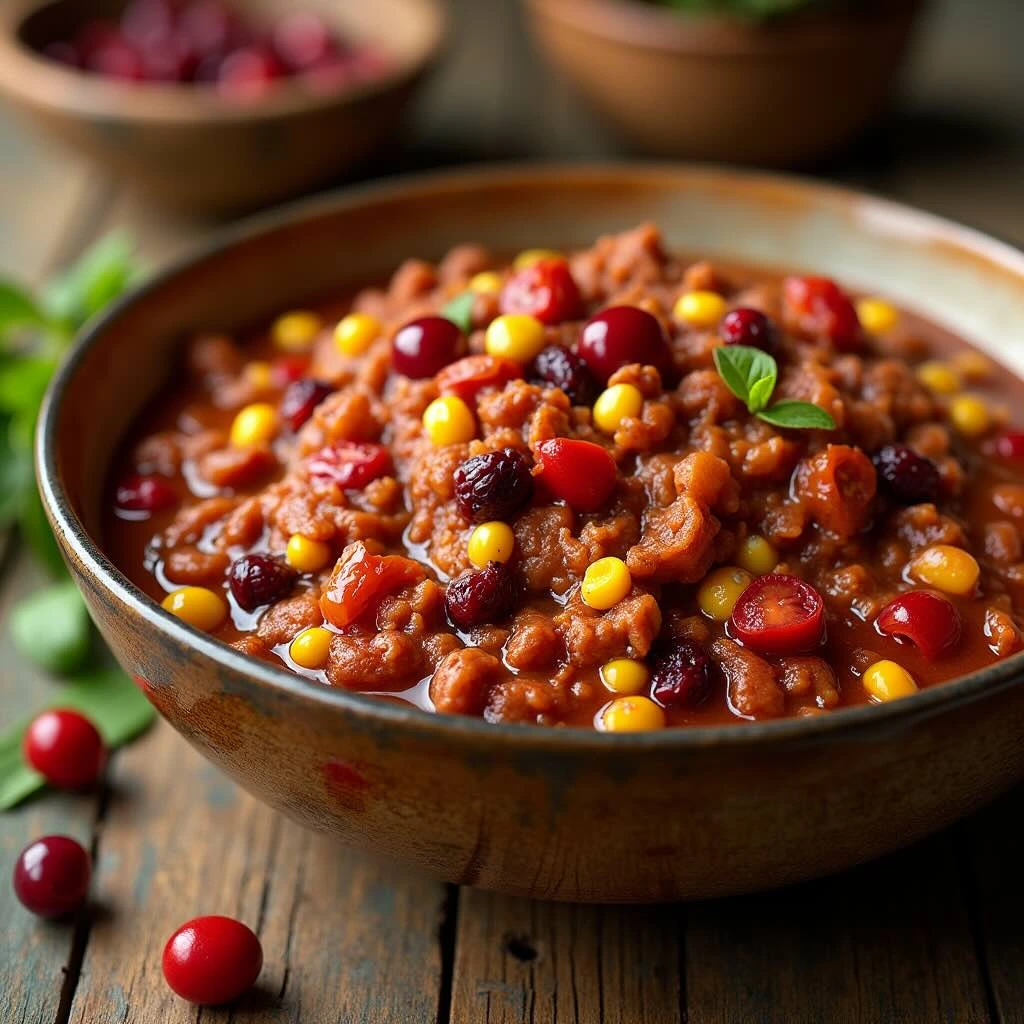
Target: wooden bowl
[(779, 93), (553, 813), (193, 150)]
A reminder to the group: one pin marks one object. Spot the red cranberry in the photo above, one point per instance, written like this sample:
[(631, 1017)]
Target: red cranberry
[(779, 614), (51, 876), (468, 376), (621, 335), (424, 347), (301, 40), (908, 477), (557, 367), (360, 580), (257, 580), (1010, 445), (680, 676), (212, 960), (481, 598), (138, 493), (545, 289), (495, 485), (65, 748), (169, 58), (818, 307), (927, 620), (248, 72), (745, 326), (581, 473), (210, 26), (349, 464), (147, 21), (116, 58), (301, 398)]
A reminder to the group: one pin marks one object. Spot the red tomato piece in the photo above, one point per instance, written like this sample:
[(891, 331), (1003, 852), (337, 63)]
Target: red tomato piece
[(286, 369), (545, 289), (930, 622), (350, 464), (212, 960), (817, 306), (779, 614), (470, 375), (360, 579), (65, 747), (581, 473)]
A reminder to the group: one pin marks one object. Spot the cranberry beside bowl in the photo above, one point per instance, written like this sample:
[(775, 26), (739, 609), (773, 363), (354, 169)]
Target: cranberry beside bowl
[(708, 805)]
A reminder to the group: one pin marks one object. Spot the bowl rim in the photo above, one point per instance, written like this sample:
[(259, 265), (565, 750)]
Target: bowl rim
[(40, 82), (94, 562)]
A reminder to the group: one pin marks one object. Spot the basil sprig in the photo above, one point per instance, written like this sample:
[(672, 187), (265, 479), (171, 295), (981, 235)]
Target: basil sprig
[(460, 311), (751, 375)]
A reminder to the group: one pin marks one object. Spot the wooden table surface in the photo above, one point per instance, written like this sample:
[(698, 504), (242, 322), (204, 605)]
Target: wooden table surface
[(931, 934)]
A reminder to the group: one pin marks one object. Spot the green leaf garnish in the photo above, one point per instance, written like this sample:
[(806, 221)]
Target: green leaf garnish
[(18, 308), (751, 375), (51, 628), (460, 311)]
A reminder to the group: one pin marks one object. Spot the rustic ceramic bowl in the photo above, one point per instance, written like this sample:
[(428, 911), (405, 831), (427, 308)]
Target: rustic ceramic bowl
[(191, 149), (554, 813), (783, 92)]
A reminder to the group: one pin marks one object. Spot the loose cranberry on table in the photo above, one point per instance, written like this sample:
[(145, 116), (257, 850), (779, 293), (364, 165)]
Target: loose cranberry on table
[(906, 476), (621, 335), (256, 580), (424, 347), (581, 473), (51, 876), (779, 614), (557, 367), (680, 675), (141, 493), (350, 464), (65, 748), (751, 327), (929, 621), (494, 486), (818, 307), (468, 376), (481, 598), (301, 398), (361, 579), (545, 290), (212, 960)]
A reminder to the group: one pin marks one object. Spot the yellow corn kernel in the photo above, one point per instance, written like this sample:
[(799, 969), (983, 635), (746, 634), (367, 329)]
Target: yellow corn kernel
[(354, 333), (447, 420), (939, 377), (885, 680), (877, 316), (528, 257), (517, 336), (311, 647), (259, 375), (630, 714), (946, 568), (605, 583), (199, 607), (625, 676), (700, 309), (254, 424), (757, 555), (721, 589), (306, 555), (487, 282), (295, 331), (617, 403), (491, 542), (973, 366), (970, 415)]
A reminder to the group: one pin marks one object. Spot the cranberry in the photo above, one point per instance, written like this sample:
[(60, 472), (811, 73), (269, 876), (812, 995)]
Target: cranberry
[(480, 598), (147, 21), (680, 676), (360, 579), (248, 72), (746, 326), (210, 26), (621, 335), (212, 960), (64, 747), (908, 477), (818, 307), (51, 876), (557, 367), (495, 485), (545, 289), (286, 369), (350, 464), (470, 375), (138, 493), (169, 58), (301, 40), (116, 58), (424, 347), (927, 620), (779, 614), (1010, 445), (301, 398), (256, 580), (581, 473)]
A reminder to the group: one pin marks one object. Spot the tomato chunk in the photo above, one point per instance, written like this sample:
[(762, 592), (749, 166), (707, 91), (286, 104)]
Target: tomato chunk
[(361, 579), (546, 290), (930, 622), (581, 473), (287, 369), (779, 614), (349, 464), (818, 307), (470, 375), (1010, 445)]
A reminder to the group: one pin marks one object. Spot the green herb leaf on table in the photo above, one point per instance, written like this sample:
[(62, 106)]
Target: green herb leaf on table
[(51, 628), (460, 311)]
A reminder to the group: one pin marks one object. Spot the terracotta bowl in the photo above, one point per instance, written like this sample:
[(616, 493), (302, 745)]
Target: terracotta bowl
[(195, 151), (777, 93), (554, 813)]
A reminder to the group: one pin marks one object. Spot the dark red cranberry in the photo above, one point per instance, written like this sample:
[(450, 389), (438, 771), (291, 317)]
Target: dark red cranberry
[(257, 580), (545, 289), (349, 464), (212, 960), (301, 40), (495, 485), (248, 72), (300, 399), (909, 478), (139, 493), (210, 26), (424, 347), (621, 335), (147, 21), (169, 59), (927, 620), (818, 307), (51, 876), (481, 598), (746, 326), (1010, 445), (680, 676), (557, 367), (65, 748), (581, 473), (116, 58), (779, 614)]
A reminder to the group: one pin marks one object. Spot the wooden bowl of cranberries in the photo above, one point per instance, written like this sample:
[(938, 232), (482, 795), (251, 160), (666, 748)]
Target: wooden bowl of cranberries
[(217, 106)]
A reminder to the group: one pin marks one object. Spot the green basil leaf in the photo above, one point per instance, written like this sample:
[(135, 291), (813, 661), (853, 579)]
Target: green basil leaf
[(742, 367), (23, 383), (798, 415), (460, 311), (99, 276), (18, 308), (51, 629), (114, 704), (760, 392)]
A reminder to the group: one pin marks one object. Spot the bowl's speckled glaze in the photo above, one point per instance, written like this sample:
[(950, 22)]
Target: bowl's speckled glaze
[(553, 813)]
